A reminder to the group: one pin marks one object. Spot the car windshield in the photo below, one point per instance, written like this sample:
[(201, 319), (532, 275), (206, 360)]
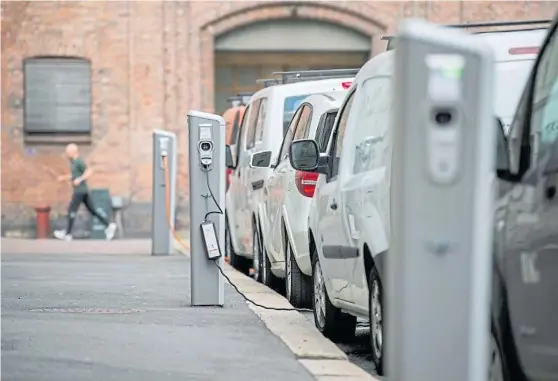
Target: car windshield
[(511, 77), (290, 106)]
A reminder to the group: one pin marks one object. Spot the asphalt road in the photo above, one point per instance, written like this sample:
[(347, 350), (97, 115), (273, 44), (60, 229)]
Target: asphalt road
[(75, 316)]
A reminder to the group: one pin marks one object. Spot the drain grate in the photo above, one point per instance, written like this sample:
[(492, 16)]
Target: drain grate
[(88, 310)]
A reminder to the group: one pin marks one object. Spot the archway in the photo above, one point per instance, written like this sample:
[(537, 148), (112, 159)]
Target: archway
[(256, 50), (354, 34)]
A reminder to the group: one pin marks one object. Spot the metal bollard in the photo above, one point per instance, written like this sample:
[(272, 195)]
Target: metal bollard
[(163, 205)]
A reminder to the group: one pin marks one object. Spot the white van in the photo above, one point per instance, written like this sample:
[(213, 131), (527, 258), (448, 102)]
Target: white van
[(265, 120), (349, 220)]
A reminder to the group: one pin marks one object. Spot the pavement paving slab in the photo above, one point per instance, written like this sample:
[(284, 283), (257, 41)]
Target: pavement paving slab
[(110, 311)]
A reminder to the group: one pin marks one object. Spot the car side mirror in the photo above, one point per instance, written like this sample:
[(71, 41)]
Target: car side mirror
[(228, 157), (502, 153), (304, 155), (260, 159)]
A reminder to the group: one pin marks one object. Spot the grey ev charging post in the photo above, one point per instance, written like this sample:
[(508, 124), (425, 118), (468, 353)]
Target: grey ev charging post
[(439, 264), (206, 136), (164, 145)]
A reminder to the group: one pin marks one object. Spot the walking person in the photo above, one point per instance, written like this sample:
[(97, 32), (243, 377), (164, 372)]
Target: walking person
[(79, 173)]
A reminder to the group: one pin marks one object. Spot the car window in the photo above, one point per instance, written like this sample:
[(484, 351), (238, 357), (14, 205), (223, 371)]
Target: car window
[(240, 138), (289, 108), (370, 137), (303, 125), (236, 123), (260, 121), (510, 80), (538, 102), (251, 124), (337, 148), (323, 132), (288, 138), (544, 117)]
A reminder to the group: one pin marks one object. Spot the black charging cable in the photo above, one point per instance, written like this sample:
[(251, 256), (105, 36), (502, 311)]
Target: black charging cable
[(254, 303), (220, 211)]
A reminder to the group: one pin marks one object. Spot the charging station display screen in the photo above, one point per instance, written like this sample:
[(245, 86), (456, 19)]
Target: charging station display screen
[(445, 77)]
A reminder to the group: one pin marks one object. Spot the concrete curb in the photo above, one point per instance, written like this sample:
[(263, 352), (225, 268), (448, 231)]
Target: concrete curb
[(323, 359)]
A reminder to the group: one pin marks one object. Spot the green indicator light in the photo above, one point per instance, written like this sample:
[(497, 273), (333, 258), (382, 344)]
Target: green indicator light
[(452, 72)]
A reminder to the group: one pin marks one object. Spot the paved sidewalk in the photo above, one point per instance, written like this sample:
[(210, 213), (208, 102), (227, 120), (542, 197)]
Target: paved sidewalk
[(87, 310)]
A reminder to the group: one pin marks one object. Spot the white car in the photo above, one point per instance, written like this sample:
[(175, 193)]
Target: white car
[(349, 219), (281, 239), (263, 126)]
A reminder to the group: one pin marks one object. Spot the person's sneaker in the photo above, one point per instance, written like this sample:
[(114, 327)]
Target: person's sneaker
[(110, 230), (61, 234)]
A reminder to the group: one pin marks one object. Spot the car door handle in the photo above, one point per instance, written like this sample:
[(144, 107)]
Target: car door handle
[(333, 205), (257, 184)]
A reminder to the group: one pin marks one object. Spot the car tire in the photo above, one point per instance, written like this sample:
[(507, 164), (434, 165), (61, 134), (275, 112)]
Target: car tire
[(257, 250), (240, 263), (497, 370), (298, 286), (376, 319), (329, 320)]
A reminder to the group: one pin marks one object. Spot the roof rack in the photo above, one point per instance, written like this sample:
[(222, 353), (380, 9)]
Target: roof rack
[(390, 39), (500, 23), (245, 97), (307, 75), (234, 101), (268, 82)]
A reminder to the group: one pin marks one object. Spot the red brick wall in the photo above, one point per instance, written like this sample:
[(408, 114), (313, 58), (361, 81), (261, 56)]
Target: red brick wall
[(151, 63)]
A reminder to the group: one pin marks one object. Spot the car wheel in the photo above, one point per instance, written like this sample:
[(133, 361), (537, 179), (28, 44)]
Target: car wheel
[(298, 287), (329, 320), (236, 261), (257, 250), (376, 316), (497, 370)]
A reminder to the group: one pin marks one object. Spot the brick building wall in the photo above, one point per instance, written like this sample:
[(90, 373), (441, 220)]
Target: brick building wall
[(151, 63)]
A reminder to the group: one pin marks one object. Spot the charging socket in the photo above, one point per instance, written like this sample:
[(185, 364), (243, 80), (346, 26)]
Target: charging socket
[(205, 149)]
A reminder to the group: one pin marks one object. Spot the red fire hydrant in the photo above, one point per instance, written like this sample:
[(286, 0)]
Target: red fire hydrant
[(43, 221)]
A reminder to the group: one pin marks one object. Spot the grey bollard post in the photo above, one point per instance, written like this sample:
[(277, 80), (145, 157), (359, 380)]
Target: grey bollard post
[(440, 257), (206, 136), (164, 144)]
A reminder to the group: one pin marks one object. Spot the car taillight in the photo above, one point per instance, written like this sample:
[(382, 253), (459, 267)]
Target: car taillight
[(346, 85), (228, 176), (306, 182), (524, 50)]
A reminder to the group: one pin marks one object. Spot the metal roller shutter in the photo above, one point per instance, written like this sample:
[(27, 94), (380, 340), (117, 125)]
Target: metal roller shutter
[(57, 95)]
